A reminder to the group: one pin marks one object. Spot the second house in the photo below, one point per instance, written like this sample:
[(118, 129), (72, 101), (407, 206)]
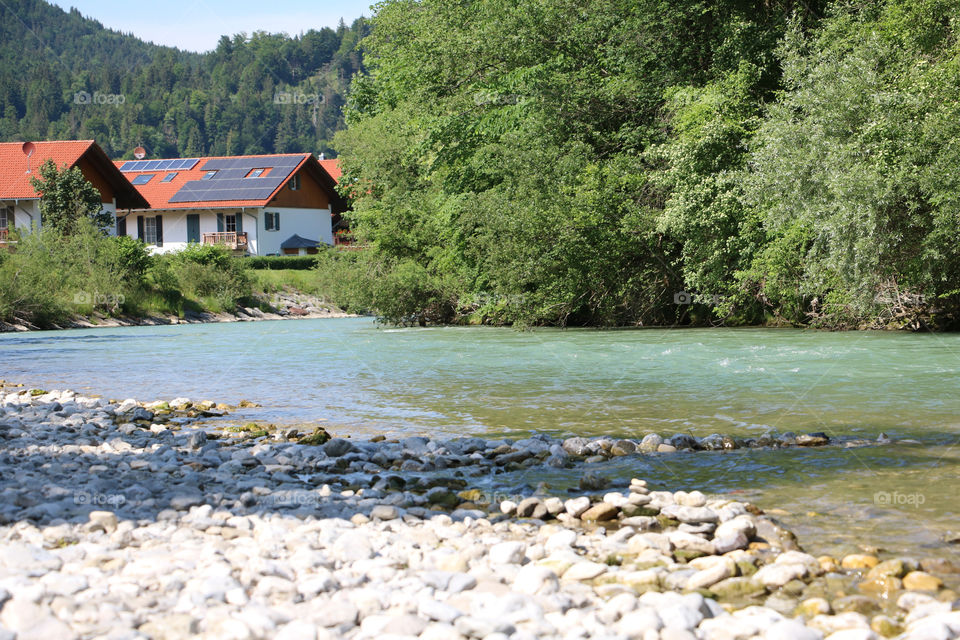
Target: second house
[(250, 204)]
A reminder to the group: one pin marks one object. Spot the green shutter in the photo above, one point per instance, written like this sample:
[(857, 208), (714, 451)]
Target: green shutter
[(159, 231), (239, 223), (139, 227), (220, 225), (193, 227)]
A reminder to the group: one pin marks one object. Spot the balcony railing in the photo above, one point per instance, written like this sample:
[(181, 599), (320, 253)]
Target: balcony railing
[(229, 239)]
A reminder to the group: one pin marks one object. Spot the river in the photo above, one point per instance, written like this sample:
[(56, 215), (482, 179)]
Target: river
[(362, 379)]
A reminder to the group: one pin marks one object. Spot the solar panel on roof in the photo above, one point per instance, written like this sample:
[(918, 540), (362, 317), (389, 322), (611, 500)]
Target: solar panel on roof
[(126, 165)]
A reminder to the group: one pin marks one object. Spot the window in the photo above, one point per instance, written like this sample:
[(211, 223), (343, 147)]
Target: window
[(208, 175), (256, 173), (169, 177), (295, 182), (271, 221), (6, 217), (150, 230), (143, 178), (230, 223)]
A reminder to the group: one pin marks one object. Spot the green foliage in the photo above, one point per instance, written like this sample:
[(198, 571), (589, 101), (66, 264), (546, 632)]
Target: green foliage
[(208, 274), (850, 169), (133, 258), (66, 198), (549, 163), (300, 280), (514, 162), (64, 76), (52, 277), (281, 262), (213, 255)]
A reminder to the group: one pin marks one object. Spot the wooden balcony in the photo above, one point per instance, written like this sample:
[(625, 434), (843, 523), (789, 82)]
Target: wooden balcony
[(230, 239)]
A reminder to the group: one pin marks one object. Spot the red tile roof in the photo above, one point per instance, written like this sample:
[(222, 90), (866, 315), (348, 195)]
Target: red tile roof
[(14, 179), (158, 193), (332, 167)]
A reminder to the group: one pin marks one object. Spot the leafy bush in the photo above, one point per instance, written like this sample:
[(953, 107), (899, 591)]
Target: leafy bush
[(133, 257), (204, 273), (204, 254), (51, 277)]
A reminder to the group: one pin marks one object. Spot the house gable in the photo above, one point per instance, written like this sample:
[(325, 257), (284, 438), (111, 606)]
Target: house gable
[(85, 154), (311, 194)]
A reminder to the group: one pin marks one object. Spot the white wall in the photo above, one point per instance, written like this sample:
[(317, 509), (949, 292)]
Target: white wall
[(312, 224), (26, 213), (175, 227)]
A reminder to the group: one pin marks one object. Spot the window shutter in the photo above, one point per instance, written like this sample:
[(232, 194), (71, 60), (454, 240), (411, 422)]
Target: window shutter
[(240, 223), (220, 225), (276, 221), (159, 231), (139, 227), (121, 226)]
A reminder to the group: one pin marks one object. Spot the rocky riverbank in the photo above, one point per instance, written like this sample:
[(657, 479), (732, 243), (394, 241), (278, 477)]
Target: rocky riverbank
[(281, 306), (130, 520)]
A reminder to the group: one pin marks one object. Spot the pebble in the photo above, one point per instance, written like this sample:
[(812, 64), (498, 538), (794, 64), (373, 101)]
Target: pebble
[(859, 561), (535, 580), (190, 533), (600, 512), (921, 581), (511, 552)]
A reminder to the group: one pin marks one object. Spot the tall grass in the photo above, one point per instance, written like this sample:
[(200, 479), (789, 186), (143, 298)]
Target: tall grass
[(48, 278)]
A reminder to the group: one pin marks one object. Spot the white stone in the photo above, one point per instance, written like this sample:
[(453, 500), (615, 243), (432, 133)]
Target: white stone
[(510, 552), (639, 621), (791, 630), (576, 506), (297, 630), (563, 539), (777, 575), (709, 577), (534, 580), (584, 571), (856, 634)]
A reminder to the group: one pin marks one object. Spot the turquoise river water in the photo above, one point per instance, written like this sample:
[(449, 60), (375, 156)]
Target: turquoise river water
[(360, 379)]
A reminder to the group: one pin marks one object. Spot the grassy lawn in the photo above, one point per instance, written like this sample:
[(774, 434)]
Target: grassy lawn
[(272, 280)]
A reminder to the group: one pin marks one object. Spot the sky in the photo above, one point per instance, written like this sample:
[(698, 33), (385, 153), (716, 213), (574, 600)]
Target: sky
[(196, 25)]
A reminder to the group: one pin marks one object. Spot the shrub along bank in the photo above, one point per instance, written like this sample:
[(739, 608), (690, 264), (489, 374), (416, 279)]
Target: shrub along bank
[(50, 277)]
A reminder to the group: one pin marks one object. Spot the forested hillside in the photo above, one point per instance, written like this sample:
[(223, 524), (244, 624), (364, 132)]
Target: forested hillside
[(63, 76), (653, 162)]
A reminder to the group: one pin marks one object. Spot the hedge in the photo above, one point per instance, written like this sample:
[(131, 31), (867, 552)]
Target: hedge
[(281, 262)]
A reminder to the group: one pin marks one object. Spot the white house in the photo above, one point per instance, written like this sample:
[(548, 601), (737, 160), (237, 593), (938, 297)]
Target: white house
[(20, 203), (251, 204)]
